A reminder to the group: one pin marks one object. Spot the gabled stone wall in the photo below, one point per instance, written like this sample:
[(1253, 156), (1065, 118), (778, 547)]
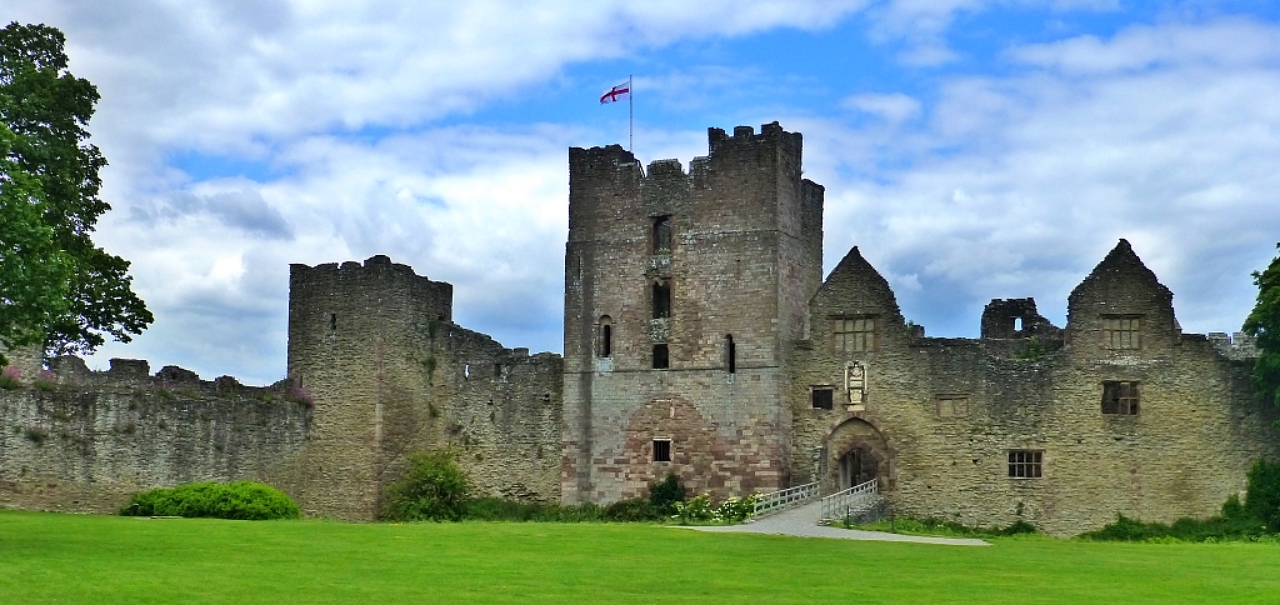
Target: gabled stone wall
[(1197, 431)]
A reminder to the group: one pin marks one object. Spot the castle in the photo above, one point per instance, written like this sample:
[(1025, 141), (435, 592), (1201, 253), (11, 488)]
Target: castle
[(700, 340)]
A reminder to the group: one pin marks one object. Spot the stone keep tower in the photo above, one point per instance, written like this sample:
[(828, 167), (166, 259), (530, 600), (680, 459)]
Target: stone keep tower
[(684, 293)]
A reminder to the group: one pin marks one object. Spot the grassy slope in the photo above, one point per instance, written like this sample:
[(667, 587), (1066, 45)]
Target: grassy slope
[(47, 558)]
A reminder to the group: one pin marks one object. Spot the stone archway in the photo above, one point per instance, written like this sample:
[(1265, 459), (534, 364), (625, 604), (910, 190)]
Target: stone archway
[(857, 452)]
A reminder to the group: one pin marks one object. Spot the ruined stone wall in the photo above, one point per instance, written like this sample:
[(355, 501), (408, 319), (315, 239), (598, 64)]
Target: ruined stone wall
[(746, 232), (1197, 430), (498, 409), (392, 375), (81, 441)]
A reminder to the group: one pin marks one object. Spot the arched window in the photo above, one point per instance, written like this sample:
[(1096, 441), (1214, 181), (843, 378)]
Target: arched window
[(605, 347), (730, 354)]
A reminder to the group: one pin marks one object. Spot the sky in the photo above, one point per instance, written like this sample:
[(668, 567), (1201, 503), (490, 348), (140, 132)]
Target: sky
[(972, 149)]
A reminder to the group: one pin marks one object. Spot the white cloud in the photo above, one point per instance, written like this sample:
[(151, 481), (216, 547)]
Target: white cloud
[(1018, 185), (999, 186), (1217, 45), (892, 108)]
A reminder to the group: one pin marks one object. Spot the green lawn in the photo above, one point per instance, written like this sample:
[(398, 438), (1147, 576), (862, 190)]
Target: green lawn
[(49, 558)]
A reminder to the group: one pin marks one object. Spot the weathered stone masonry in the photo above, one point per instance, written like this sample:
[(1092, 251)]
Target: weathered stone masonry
[(700, 339), (86, 441), (741, 255), (391, 375)]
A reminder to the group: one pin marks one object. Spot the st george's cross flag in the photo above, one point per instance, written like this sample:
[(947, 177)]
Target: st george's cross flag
[(617, 93)]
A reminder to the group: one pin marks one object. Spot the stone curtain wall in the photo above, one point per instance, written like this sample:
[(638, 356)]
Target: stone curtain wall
[(744, 258), (87, 441), (498, 408)]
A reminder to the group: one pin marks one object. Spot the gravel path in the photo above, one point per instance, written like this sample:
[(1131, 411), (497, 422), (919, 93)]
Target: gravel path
[(803, 521)]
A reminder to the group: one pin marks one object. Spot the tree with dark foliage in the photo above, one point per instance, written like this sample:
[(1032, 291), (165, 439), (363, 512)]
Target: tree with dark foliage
[(1263, 324), (57, 289)]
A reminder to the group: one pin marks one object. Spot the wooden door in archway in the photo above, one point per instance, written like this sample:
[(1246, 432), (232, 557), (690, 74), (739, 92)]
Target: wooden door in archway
[(857, 466)]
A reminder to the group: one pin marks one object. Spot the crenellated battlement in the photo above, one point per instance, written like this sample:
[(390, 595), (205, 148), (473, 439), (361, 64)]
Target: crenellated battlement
[(743, 147)]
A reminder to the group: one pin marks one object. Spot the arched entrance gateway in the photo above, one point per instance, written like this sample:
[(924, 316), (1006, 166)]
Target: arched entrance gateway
[(856, 453)]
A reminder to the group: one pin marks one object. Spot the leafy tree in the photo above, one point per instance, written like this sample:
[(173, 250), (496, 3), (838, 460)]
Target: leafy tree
[(57, 289), (1263, 324)]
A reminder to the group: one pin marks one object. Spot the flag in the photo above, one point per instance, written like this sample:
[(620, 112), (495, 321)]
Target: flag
[(617, 93)]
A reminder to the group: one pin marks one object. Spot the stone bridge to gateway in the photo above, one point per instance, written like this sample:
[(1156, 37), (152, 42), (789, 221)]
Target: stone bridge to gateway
[(798, 511)]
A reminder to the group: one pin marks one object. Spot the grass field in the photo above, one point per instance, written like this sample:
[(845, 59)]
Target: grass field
[(49, 558)]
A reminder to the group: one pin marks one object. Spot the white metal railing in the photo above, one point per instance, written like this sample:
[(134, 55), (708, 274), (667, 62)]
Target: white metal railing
[(842, 503), (783, 499)]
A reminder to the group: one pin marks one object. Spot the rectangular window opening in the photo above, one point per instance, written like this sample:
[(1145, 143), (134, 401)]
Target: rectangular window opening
[(661, 360), (1120, 398), (662, 450), (822, 398), (661, 300), (1025, 464), (731, 354)]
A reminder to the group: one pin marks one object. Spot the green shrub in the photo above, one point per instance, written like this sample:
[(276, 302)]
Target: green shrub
[(736, 510), (433, 488), (942, 527), (498, 509), (632, 510), (1018, 527), (696, 510), (664, 495), (1262, 501), (1253, 520), (239, 500)]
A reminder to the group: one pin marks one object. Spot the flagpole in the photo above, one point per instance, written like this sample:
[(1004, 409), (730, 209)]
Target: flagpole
[(631, 120)]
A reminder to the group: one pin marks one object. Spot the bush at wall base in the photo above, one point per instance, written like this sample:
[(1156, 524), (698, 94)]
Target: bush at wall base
[(238, 500), (433, 488)]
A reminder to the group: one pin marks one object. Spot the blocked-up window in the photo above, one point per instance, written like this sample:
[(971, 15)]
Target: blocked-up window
[(661, 300), (1120, 398), (952, 406), (662, 235), (662, 450), (661, 359), (1026, 464), (854, 335), (1121, 332), (821, 397)]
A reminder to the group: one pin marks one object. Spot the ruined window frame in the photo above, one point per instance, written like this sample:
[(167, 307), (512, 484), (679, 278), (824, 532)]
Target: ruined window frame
[(1122, 332), (1121, 398), (1026, 464), (661, 239), (825, 401), (950, 406), (855, 333), (662, 449)]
